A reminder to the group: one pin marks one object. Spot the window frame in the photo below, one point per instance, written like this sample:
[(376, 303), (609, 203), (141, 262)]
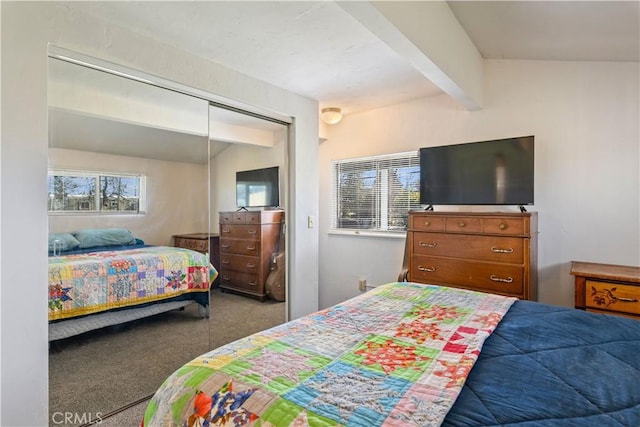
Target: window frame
[(381, 165), (97, 196)]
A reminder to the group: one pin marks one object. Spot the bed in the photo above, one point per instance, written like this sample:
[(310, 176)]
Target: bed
[(407, 354), (104, 281)]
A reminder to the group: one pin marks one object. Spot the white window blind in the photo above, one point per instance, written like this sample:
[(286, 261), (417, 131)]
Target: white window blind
[(375, 193), (80, 192)]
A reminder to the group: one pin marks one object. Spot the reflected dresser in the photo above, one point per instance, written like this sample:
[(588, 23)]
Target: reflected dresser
[(248, 239)]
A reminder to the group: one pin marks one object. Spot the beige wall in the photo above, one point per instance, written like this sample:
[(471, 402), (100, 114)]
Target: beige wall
[(176, 196), (238, 157), (585, 118)]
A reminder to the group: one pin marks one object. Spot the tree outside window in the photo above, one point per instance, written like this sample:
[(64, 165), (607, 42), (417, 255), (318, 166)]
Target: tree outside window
[(92, 192), (376, 193)]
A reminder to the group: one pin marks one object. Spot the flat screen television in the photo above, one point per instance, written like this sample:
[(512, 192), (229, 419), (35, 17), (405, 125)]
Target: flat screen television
[(496, 172), (258, 188)]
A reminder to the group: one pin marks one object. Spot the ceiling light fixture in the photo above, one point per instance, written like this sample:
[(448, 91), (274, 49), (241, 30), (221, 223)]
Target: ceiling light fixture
[(331, 115)]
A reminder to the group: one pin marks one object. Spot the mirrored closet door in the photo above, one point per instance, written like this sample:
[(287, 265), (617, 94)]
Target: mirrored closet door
[(249, 189), (137, 167), (128, 171)]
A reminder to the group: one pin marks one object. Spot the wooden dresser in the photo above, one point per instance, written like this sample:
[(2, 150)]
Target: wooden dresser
[(607, 288), (247, 242), (487, 252), (201, 242)]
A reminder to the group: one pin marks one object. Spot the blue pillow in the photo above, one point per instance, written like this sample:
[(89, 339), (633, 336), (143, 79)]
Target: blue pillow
[(92, 237), (62, 242)]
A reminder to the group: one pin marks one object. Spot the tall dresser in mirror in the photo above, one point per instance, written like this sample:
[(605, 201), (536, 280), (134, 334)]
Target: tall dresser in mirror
[(248, 241)]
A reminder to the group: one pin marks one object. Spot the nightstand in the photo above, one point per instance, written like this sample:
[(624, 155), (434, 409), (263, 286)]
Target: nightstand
[(607, 288), (202, 242)]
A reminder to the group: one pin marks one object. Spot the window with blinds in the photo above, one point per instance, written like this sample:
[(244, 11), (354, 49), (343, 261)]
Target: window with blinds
[(81, 192), (375, 193)]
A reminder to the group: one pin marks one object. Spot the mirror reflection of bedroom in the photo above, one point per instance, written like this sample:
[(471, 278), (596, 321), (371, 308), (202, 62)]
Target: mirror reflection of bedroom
[(138, 178)]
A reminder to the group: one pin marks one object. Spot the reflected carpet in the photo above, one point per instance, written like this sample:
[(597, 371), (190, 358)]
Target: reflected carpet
[(101, 371)]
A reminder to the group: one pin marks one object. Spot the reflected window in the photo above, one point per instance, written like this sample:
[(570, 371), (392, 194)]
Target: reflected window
[(82, 192)]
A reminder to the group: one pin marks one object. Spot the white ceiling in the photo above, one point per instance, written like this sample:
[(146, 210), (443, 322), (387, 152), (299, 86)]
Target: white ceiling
[(327, 51), (318, 49)]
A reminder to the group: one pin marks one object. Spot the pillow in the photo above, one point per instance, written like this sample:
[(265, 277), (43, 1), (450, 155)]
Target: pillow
[(92, 237), (63, 242)]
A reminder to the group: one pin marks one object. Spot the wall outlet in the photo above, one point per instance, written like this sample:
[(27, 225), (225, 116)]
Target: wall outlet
[(362, 285)]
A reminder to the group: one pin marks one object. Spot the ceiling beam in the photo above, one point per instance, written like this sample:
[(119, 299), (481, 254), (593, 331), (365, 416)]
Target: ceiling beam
[(429, 36)]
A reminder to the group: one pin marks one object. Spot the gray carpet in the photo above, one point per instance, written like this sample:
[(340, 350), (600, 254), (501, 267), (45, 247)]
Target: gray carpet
[(101, 371)]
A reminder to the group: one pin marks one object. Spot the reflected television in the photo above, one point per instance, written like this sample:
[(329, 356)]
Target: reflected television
[(258, 188)]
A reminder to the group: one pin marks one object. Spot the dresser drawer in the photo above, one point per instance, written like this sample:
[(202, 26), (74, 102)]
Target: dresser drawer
[(613, 297), (506, 226), (226, 217), (240, 247), (460, 224), (193, 244), (481, 276), (239, 263), (240, 218), (426, 223), (239, 280), (484, 248), (252, 218), (249, 232)]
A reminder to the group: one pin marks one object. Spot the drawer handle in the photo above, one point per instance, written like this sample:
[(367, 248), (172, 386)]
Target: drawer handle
[(502, 226), (252, 283), (251, 248), (428, 244), (461, 224), (251, 265), (627, 299), (226, 230), (251, 231), (225, 261), (224, 246), (500, 279), (428, 269), (501, 251), (427, 223), (226, 278)]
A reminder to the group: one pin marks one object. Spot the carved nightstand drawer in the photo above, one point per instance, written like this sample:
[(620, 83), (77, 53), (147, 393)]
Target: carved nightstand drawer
[(607, 288), (613, 297)]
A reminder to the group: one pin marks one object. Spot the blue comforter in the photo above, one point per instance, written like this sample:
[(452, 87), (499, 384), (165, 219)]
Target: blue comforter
[(551, 366)]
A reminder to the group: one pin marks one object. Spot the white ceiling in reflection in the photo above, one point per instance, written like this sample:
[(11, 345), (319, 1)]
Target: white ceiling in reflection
[(91, 110)]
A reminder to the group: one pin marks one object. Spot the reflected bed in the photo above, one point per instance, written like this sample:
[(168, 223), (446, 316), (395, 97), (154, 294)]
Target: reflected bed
[(97, 287), (407, 354)]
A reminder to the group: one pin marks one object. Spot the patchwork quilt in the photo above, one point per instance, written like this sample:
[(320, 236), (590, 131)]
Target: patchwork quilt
[(92, 282), (398, 355)]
